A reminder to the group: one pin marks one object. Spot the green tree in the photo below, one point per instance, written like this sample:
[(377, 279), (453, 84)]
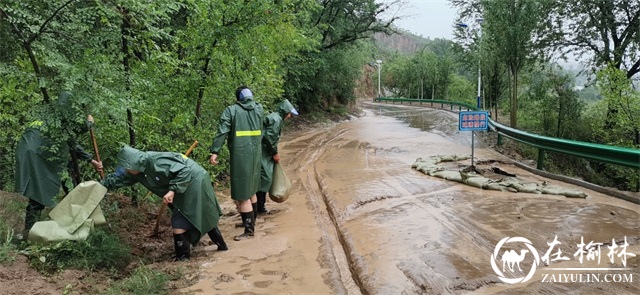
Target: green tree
[(338, 25), (607, 32), (619, 94), (552, 103), (509, 27)]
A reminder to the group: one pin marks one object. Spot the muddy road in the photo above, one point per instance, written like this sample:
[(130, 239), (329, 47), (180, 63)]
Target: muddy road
[(361, 221)]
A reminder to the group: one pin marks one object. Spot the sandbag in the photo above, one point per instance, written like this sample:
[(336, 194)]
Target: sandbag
[(74, 217), (82, 203), (280, 186), (46, 232)]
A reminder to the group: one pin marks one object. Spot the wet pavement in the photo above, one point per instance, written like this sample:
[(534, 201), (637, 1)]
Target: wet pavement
[(361, 221)]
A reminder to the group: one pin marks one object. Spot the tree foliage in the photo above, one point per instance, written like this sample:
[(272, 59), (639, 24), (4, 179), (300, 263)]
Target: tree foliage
[(312, 77), (606, 32), (426, 75), (157, 74)]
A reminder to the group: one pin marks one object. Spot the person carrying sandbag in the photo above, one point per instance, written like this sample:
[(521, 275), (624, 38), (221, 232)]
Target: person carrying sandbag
[(272, 130)]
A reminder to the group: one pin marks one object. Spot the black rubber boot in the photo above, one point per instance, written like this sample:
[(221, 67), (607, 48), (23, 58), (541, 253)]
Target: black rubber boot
[(255, 212), (182, 247), (262, 199), (216, 238), (248, 221), (34, 209)]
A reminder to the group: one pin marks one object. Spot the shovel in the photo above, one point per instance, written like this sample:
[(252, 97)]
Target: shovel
[(95, 148), (164, 206)]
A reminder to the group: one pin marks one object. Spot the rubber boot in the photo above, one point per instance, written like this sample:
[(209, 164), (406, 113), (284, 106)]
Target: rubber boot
[(182, 247), (262, 199), (249, 225), (34, 209), (255, 212), (216, 238)]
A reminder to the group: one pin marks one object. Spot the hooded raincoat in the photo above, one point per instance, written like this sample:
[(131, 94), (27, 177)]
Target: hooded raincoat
[(39, 168), (241, 126), (272, 129), (163, 171)]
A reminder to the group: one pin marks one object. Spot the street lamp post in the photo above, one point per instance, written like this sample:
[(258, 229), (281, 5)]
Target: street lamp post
[(479, 101), (379, 66)]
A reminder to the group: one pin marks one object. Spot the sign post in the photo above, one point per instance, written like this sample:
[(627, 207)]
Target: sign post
[(473, 121)]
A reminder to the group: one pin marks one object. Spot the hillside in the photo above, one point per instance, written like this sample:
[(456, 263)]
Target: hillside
[(404, 42)]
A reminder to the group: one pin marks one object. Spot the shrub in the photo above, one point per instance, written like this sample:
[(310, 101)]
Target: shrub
[(102, 250)]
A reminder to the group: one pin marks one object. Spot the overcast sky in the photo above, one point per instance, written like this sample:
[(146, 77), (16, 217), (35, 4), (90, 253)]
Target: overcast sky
[(429, 18)]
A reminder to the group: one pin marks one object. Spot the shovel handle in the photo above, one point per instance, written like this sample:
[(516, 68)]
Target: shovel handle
[(95, 149), (193, 146)]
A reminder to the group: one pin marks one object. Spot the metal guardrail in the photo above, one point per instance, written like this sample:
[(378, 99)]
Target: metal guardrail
[(622, 156)]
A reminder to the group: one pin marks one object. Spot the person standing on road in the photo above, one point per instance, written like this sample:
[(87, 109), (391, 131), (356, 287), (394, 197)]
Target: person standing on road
[(271, 129), (43, 151), (183, 184), (241, 126)]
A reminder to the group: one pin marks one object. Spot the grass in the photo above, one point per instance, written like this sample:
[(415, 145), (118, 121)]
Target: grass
[(11, 214), (143, 281), (7, 249)]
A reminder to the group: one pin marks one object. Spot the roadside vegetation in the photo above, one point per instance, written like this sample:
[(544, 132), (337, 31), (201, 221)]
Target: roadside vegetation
[(519, 46)]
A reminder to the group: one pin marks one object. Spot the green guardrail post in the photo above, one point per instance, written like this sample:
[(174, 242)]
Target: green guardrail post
[(499, 139), (451, 107), (540, 163), (459, 109), (432, 103)]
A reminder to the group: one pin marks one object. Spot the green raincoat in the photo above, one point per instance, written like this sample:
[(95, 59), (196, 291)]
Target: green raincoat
[(39, 169), (241, 125), (271, 129), (163, 171)]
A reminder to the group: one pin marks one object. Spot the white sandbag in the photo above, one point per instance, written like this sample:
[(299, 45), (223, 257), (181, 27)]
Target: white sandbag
[(45, 232)]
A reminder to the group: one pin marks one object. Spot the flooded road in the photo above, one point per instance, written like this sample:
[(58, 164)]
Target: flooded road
[(361, 221)]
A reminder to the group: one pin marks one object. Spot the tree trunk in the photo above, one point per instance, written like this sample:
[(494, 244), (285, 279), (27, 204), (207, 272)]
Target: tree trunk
[(514, 101), (560, 116), (36, 69), (126, 56), (205, 73)]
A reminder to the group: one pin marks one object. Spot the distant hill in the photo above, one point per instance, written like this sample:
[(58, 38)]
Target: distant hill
[(404, 42)]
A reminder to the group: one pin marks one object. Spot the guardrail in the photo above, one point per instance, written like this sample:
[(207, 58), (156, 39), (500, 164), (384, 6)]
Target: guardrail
[(622, 156)]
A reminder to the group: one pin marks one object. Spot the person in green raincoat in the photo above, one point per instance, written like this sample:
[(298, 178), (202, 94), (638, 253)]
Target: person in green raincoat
[(44, 149), (241, 126), (271, 129), (183, 184)]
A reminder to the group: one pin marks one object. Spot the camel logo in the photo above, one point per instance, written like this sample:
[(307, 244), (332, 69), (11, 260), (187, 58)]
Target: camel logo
[(511, 260)]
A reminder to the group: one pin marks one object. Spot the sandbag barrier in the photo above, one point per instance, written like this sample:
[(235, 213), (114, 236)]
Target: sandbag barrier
[(430, 167)]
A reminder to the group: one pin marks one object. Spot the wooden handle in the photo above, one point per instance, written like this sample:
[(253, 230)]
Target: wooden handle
[(95, 150), (193, 146)]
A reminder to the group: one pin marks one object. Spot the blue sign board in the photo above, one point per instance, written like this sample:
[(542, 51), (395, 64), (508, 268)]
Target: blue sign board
[(473, 121)]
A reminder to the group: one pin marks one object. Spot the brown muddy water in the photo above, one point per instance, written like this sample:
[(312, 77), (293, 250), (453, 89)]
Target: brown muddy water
[(361, 221)]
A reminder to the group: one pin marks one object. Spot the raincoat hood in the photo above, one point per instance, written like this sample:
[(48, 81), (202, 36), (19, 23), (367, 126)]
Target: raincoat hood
[(285, 108), (248, 103), (132, 159)]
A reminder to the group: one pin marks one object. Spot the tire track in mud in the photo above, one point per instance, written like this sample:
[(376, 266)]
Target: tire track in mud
[(343, 263)]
